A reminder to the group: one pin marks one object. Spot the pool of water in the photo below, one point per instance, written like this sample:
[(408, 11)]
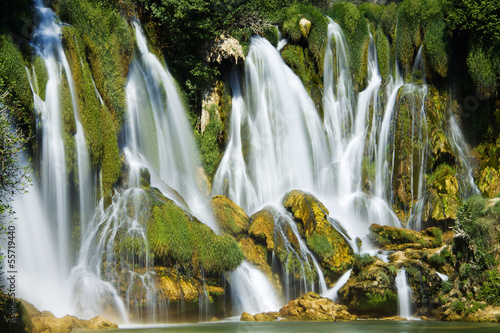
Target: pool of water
[(319, 327)]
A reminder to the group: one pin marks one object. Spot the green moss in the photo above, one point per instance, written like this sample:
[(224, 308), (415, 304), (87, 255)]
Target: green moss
[(111, 163), (437, 48), (68, 128), (379, 302), (320, 245), (210, 143), (13, 73), (383, 53), (490, 290), (41, 76), (174, 237), (482, 69), (271, 34), (168, 234), (355, 28), (108, 44)]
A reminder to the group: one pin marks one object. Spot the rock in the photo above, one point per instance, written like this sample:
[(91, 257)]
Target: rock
[(313, 307), (225, 48), (262, 228), (272, 316), (333, 251), (101, 323), (305, 27), (245, 316), (443, 190), (393, 238), (231, 218)]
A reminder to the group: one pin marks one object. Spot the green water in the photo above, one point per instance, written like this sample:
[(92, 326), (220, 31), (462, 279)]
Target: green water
[(320, 327)]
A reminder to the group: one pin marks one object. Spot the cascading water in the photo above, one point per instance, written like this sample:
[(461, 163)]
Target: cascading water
[(50, 200), (404, 294), (275, 142), (466, 180)]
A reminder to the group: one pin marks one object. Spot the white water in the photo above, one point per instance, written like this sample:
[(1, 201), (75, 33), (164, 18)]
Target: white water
[(404, 294), (333, 292), (45, 227), (461, 149), (253, 292)]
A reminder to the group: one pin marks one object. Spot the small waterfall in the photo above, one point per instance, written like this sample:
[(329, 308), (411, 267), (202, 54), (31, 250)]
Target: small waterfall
[(332, 293), (460, 148), (404, 294), (252, 291)]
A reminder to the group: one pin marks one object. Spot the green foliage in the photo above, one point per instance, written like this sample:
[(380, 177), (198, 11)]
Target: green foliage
[(15, 79), (320, 245), (40, 71), (479, 17), (475, 233), (482, 69), (174, 237), (355, 28), (457, 306), (108, 45), (14, 176), (111, 163), (169, 234), (361, 261), (386, 302), (383, 53), (437, 48), (210, 143), (490, 290)]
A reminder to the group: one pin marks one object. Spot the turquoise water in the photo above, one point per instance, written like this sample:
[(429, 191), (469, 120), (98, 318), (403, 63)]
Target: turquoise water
[(320, 327)]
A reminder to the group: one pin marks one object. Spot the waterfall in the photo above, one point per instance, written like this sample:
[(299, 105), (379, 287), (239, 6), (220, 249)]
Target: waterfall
[(332, 293), (404, 294), (460, 148), (276, 140), (46, 225)]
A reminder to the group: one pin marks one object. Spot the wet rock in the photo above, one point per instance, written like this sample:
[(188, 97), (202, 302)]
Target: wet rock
[(269, 316), (262, 228), (245, 316), (393, 238), (311, 306), (333, 251), (101, 323), (231, 218)]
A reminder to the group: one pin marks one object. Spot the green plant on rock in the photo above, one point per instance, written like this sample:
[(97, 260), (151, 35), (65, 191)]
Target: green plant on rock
[(210, 143), (320, 245), (379, 302), (490, 290)]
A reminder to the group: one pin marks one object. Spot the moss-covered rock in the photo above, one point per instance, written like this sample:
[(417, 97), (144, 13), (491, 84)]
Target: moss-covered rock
[(332, 250), (393, 238), (231, 218), (443, 190), (262, 228), (174, 237)]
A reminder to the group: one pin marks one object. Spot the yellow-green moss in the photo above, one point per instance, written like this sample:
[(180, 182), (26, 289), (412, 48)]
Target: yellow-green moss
[(231, 218), (111, 163)]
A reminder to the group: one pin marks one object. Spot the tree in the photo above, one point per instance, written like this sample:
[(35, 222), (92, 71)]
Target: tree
[(14, 176)]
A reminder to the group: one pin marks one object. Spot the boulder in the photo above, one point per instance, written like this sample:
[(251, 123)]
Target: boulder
[(245, 316), (305, 27), (225, 48), (231, 218), (393, 238), (101, 323), (311, 306), (324, 240), (262, 228)]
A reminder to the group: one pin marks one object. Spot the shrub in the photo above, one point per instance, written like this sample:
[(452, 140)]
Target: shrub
[(481, 69), (437, 48), (490, 290)]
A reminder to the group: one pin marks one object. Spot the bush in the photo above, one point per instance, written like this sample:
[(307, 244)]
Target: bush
[(482, 69), (490, 290), (437, 48)]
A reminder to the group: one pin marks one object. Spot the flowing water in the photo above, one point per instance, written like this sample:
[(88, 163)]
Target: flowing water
[(277, 142), (404, 294)]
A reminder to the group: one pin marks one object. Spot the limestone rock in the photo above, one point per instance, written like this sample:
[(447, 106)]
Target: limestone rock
[(334, 252), (262, 228), (225, 48), (269, 316), (305, 27), (101, 323), (245, 316), (231, 218), (393, 238), (313, 307)]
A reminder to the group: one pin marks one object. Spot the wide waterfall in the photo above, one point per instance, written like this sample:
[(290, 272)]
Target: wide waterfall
[(364, 156)]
